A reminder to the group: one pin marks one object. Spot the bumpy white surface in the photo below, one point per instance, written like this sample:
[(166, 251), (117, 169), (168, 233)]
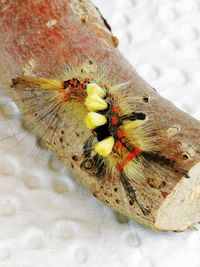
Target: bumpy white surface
[(46, 219)]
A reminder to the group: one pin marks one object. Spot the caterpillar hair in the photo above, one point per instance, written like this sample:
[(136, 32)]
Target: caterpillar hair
[(120, 139)]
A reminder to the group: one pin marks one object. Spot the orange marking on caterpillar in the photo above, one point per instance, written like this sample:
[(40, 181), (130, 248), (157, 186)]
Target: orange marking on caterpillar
[(120, 166), (62, 95), (73, 89), (120, 134), (80, 87), (131, 156), (123, 139), (118, 144), (112, 96), (114, 108), (114, 120), (105, 86)]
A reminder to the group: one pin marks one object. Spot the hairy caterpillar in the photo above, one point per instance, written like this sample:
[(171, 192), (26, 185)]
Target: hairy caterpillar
[(120, 144)]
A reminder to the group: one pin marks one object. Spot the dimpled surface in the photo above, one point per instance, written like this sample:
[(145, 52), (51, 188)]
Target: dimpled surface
[(46, 218)]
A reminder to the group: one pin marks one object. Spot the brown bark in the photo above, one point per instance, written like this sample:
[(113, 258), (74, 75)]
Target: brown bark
[(42, 38)]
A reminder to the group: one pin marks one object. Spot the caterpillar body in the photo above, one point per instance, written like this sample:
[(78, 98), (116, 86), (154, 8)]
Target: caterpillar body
[(102, 133)]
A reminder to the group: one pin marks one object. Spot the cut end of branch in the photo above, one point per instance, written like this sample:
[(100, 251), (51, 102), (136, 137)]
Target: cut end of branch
[(181, 209)]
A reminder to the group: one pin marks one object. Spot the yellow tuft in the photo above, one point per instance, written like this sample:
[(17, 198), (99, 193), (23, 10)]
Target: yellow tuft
[(104, 148), (94, 120), (37, 83), (95, 103), (140, 133), (47, 84), (94, 88), (133, 124)]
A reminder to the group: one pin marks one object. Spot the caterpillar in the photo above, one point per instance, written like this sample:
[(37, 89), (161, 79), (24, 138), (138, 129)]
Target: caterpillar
[(120, 145)]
